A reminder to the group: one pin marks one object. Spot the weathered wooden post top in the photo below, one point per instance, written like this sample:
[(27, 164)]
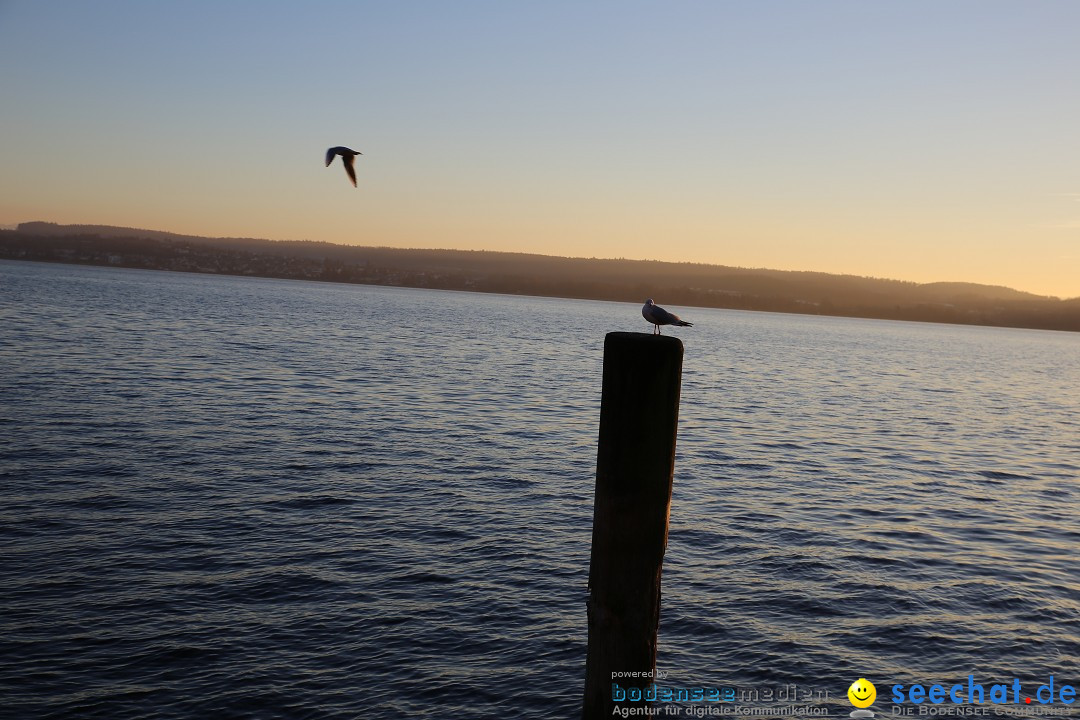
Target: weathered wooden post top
[(635, 461)]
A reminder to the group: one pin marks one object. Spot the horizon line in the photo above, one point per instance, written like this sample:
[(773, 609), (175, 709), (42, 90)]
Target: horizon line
[(15, 227)]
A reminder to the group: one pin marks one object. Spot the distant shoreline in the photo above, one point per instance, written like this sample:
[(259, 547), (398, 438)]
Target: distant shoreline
[(672, 284)]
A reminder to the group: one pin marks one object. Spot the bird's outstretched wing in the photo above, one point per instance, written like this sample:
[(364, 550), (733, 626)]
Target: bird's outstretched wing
[(349, 160), (330, 156)]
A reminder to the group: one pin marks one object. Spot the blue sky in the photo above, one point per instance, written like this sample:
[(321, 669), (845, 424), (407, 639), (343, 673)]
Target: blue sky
[(915, 140)]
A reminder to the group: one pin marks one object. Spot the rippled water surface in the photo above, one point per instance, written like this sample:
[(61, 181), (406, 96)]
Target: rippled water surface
[(238, 497)]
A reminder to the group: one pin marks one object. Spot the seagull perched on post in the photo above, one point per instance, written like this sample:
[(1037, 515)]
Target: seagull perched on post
[(347, 158), (659, 316)]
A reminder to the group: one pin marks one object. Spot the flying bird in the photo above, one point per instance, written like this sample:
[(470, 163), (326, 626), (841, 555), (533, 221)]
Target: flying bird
[(659, 316), (347, 158)]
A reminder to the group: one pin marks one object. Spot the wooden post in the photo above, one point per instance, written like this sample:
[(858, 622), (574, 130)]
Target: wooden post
[(635, 460)]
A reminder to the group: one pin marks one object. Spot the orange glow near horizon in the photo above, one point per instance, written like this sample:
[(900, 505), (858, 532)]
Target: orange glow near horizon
[(720, 134)]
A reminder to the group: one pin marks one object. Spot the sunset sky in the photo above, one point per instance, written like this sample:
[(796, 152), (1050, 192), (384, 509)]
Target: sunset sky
[(914, 140)]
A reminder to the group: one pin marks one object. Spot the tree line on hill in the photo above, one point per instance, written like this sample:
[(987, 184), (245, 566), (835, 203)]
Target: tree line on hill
[(672, 284)]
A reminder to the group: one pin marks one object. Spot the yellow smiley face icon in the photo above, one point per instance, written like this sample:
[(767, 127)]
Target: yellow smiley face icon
[(862, 693)]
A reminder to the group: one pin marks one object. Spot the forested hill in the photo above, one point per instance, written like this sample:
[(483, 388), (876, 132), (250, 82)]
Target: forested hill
[(671, 284)]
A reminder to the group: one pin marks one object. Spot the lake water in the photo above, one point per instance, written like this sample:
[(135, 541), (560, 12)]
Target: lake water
[(248, 498)]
